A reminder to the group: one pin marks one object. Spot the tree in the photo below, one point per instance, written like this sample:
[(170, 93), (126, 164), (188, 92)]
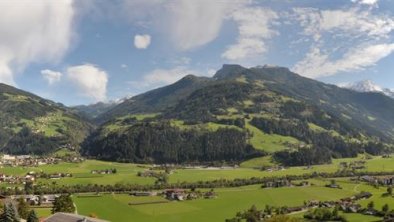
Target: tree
[(29, 187), (63, 203), (23, 208), (32, 217), (371, 205), (390, 190), (385, 208), (9, 214)]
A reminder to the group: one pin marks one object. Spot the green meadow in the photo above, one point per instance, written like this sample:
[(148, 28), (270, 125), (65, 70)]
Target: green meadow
[(127, 173), (115, 207), (229, 201)]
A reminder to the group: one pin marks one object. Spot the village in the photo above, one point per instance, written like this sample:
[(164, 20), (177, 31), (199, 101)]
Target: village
[(34, 161)]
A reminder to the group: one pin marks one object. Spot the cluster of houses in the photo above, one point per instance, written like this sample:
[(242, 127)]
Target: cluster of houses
[(47, 199), (283, 183), (30, 177), (106, 171), (347, 205), (11, 179), (181, 194), (34, 161), (26, 160), (378, 180), (177, 194)]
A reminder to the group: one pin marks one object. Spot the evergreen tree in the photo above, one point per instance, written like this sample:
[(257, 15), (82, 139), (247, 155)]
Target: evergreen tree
[(32, 217), (63, 203), (371, 205), (385, 208), (9, 214), (390, 190), (23, 208)]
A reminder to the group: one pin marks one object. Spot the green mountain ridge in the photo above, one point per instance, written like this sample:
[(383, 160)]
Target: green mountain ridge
[(269, 108), (33, 125)]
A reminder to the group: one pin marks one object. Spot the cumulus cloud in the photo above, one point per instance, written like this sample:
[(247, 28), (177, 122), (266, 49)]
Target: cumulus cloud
[(142, 41), (51, 76), (318, 64), (254, 26), (366, 2), (90, 80), (33, 31), (188, 24), (343, 40)]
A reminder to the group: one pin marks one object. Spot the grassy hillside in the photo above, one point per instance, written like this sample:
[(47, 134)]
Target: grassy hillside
[(30, 124)]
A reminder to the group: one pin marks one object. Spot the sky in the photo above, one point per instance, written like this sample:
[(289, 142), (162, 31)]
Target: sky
[(83, 52)]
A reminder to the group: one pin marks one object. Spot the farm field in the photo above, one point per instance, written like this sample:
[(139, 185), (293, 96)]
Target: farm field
[(127, 173), (228, 202)]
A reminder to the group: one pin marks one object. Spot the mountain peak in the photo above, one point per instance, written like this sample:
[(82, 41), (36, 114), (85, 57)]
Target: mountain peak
[(368, 86), (364, 86), (229, 71)]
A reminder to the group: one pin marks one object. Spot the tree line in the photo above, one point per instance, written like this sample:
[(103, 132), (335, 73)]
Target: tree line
[(159, 142)]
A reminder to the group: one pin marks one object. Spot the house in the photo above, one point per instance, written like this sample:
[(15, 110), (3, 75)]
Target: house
[(362, 195), (48, 199), (68, 217), (210, 195), (276, 183), (175, 194), (369, 179), (31, 199), (388, 181)]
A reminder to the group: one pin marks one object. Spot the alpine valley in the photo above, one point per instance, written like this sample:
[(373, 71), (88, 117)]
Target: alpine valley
[(238, 114)]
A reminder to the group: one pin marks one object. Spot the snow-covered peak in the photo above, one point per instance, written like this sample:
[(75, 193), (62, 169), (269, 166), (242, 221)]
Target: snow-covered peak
[(368, 86)]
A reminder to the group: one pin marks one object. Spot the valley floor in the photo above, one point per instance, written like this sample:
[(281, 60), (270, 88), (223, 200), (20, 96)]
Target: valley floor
[(115, 207)]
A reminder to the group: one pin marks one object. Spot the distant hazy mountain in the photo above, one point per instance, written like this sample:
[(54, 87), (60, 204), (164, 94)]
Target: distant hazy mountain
[(368, 86), (91, 111)]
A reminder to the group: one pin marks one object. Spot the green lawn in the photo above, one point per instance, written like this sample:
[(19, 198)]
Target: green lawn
[(269, 142), (126, 173), (229, 201)]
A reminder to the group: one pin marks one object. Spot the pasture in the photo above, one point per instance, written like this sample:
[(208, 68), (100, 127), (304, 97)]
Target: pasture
[(115, 207), (127, 173)]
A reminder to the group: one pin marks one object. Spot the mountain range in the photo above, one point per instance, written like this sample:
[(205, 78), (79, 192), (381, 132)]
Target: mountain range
[(238, 114), (368, 86)]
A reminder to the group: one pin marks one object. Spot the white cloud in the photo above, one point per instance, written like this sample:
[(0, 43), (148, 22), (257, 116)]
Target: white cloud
[(254, 26), (51, 76), (124, 66), (188, 24), (89, 80), (162, 77), (142, 41), (318, 64), (343, 40), (366, 2), (33, 31)]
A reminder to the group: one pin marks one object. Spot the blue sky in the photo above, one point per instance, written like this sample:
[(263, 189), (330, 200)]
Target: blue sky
[(87, 51)]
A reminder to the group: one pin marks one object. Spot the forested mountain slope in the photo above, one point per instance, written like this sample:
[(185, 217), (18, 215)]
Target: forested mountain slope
[(267, 109), (32, 125)]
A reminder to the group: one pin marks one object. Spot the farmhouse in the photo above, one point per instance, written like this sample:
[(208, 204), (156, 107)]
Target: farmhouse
[(37, 199), (387, 181), (106, 171), (175, 194), (277, 183)]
